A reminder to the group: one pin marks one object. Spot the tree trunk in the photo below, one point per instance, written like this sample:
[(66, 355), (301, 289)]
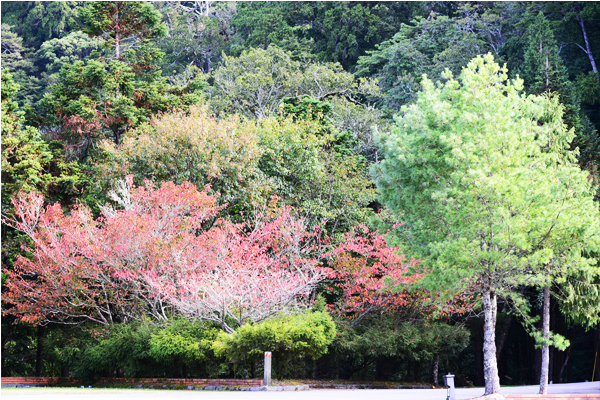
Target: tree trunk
[(553, 328), (503, 335), (490, 365), (551, 362), (596, 375), (588, 50), (545, 346), (39, 356), (434, 372), (478, 349), (117, 39), (562, 370)]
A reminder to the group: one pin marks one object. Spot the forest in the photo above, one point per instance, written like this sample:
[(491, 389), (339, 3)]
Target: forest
[(373, 191)]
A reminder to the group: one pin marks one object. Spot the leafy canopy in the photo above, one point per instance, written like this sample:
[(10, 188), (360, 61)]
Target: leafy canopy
[(482, 175)]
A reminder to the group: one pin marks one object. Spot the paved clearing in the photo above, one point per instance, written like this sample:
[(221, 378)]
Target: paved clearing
[(315, 394)]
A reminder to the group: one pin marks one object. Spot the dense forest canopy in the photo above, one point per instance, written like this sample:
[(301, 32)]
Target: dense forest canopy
[(371, 190)]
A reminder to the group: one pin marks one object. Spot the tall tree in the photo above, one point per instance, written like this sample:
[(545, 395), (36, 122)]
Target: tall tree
[(583, 14), (426, 46), (197, 34), (543, 69), (124, 26), (459, 168), (579, 48), (544, 72), (112, 94), (247, 161)]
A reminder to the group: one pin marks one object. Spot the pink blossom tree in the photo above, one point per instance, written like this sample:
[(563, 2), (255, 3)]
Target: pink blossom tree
[(161, 253)]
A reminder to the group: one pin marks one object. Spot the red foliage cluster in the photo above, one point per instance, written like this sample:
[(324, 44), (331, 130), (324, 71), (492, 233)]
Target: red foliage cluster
[(164, 252), (155, 257), (370, 274)]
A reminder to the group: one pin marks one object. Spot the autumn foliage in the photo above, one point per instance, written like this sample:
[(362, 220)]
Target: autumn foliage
[(369, 274), (161, 253)]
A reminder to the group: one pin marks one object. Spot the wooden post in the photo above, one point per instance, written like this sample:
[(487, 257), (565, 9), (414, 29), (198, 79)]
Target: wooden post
[(267, 381)]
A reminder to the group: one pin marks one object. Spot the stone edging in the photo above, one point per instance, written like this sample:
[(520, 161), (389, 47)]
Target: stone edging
[(30, 381), (163, 383), (230, 388)]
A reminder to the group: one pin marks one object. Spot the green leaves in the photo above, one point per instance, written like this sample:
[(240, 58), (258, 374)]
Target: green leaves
[(383, 338), (426, 46), (135, 350), (460, 166), (287, 336), (248, 161), (255, 83), (182, 340), (122, 25), (76, 46), (94, 98)]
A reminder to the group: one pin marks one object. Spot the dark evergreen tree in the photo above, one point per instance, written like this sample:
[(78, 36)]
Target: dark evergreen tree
[(543, 71), (113, 93), (39, 21), (18, 60)]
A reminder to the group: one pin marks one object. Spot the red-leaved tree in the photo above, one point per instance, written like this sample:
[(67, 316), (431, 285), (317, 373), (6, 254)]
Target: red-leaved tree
[(369, 274), (155, 256), (86, 269)]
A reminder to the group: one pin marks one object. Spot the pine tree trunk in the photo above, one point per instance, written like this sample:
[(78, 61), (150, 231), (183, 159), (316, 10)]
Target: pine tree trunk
[(477, 334), (553, 351), (434, 372), (545, 347), (490, 365), (117, 39), (562, 369), (503, 336)]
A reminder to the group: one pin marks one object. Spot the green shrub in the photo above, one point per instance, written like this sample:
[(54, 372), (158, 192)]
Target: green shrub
[(181, 349), (288, 337)]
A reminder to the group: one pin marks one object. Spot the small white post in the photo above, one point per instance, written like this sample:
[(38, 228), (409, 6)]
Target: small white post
[(267, 381), (449, 381)]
